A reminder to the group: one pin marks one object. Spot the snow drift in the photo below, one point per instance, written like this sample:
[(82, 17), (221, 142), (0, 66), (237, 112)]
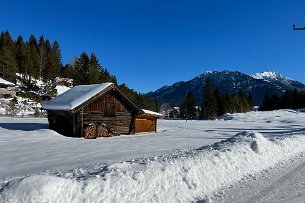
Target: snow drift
[(182, 176)]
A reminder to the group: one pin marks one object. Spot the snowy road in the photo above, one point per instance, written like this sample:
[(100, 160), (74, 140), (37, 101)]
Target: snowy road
[(283, 183)]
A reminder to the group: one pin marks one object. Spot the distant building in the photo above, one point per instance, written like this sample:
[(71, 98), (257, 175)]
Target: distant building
[(67, 82), (7, 89)]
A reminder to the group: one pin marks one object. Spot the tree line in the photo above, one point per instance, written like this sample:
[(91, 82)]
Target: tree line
[(41, 59), (214, 103), (33, 58), (291, 99)]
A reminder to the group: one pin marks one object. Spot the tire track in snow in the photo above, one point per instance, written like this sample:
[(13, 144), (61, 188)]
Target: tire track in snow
[(282, 183), (288, 183)]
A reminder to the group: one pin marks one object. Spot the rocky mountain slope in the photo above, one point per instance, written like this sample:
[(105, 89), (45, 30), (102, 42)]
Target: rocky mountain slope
[(228, 82)]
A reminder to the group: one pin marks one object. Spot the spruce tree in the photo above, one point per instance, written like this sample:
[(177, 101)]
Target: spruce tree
[(42, 55), (188, 107), (209, 104), (8, 66), (67, 71), (250, 102), (34, 60), (242, 101), (94, 71), (21, 58), (105, 76), (56, 56), (266, 103), (220, 100), (81, 70)]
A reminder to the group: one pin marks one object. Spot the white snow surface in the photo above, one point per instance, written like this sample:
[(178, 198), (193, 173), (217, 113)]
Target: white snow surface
[(74, 97), (61, 89), (183, 162), (5, 82), (37, 82), (268, 75), (273, 76), (151, 112)]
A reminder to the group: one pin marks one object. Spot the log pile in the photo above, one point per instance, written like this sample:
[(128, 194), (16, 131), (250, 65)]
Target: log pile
[(90, 132), (97, 130)]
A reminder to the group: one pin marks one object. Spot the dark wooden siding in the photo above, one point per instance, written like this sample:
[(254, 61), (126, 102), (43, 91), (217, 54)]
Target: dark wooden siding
[(110, 110), (108, 104), (61, 122)]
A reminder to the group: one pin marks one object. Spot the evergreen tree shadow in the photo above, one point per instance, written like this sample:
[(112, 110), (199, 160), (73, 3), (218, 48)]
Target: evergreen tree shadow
[(24, 126)]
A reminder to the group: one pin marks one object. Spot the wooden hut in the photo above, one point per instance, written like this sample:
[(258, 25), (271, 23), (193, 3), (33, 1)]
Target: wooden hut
[(7, 89), (67, 82), (146, 121), (91, 111)]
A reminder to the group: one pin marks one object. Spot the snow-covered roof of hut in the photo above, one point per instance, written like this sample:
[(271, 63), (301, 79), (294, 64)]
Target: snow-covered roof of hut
[(75, 97), (151, 112), (5, 82)]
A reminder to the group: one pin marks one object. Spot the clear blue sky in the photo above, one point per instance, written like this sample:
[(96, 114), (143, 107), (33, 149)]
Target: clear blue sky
[(148, 44)]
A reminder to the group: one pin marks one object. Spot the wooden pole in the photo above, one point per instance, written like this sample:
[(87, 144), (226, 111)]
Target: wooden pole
[(73, 113), (186, 111), (82, 122)]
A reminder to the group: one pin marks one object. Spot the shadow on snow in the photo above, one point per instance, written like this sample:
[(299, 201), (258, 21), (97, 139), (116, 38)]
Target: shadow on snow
[(24, 126)]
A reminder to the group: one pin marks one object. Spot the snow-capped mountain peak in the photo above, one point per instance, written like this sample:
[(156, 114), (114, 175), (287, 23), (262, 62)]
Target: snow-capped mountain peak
[(228, 82), (269, 75), (272, 76)]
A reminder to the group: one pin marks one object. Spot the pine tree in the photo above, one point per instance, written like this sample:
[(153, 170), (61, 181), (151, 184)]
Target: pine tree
[(49, 63), (105, 76), (42, 56), (242, 100), (82, 67), (8, 66), (191, 105), (56, 57), (94, 71), (21, 56), (23, 60), (266, 103), (34, 59), (67, 71), (220, 100), (141, 100), (188, 107), (250, 102), (209, 104)]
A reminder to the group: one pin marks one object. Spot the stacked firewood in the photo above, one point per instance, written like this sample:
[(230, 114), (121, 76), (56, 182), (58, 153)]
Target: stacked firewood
[(90, 132), (97, 130), (103, 131)]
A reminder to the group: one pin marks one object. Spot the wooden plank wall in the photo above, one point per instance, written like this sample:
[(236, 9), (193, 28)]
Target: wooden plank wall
[(110, 110), (120, 123), (145, 125), (61, 122), (108, 104)]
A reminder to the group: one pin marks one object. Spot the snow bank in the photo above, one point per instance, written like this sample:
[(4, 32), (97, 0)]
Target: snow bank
[(182, 176)]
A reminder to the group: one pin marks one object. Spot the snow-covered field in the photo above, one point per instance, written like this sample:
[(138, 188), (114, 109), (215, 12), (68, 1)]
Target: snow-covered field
[(183, 162)]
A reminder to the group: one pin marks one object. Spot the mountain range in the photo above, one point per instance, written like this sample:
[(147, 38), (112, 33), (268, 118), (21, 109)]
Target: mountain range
[(228, 82)]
